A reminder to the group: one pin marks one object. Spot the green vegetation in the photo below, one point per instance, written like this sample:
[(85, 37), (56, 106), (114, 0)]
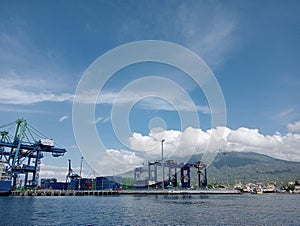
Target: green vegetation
[(249, 167)]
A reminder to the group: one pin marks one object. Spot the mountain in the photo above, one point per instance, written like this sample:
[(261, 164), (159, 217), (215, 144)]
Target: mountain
[(248, 167)]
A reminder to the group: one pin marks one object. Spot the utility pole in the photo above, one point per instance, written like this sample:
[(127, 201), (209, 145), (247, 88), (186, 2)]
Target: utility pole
[(224, 153), (81, 166), (163, 164)]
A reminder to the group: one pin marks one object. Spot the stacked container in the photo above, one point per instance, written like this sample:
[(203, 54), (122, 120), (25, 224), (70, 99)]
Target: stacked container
[(59, 186), (73, 185), (93, 184), (127, 183), (108, 183), (47, 182), (85, 184)]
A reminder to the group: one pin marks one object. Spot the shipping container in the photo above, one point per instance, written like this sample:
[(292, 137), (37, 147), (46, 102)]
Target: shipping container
[(94, 184), (59, 186), (85, 184), (108, 183), (74, 184), (127, 183), (45, 182)]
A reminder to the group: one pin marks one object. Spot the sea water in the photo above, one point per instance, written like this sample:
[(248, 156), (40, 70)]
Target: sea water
[(245, 209)]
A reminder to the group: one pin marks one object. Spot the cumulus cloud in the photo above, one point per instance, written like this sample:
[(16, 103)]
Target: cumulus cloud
[(117, 162), (294, 127), (196, 141), (51, 171), (128, 157), (179, 146)]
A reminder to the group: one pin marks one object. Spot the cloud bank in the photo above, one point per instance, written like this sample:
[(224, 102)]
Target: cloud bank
[(286, 147)]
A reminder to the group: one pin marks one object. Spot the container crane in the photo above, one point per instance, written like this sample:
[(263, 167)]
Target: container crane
[(71, 173), (23, 151)]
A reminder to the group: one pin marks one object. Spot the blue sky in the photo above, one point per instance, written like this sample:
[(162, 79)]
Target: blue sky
[(252, 47)]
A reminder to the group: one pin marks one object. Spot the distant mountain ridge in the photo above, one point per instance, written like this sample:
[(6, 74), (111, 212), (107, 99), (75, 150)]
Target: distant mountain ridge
[(248, 167), (244, 167)]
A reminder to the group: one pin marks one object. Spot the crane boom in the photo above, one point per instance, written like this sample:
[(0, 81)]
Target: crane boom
[(22, 156)]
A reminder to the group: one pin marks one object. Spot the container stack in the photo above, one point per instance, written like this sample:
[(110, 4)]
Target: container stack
[(93, 184), (51, 183), (108, 183), (85, 184), (74, 184), (59, 186), (127, 183)]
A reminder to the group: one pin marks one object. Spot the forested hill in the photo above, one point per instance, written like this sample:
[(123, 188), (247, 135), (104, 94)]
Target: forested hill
[(250, 167)]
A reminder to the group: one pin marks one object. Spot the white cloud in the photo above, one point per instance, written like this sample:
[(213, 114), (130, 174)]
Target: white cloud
[(285, 116), (182, 144), (212, 39), (87, 97), (159, 104), (51, 171), (29, 75), (100, 119), (63, 118), (97, 120), (151, 145), (148, 103), (16, 108), (128, 157), (74, 146), (22, 91), (294, 127), (115, 162), (217, 42)]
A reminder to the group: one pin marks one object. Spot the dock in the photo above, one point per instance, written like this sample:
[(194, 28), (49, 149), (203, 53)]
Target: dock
[(62, 193), (180, 192), (122, 192)]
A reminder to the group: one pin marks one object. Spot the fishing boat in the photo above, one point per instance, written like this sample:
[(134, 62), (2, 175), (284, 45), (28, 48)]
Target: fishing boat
[(5, 181)]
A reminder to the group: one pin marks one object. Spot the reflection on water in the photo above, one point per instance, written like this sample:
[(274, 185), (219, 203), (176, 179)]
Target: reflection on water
[(268, 209)]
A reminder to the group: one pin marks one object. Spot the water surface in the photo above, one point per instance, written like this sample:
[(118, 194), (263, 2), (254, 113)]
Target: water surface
[(266, 209)]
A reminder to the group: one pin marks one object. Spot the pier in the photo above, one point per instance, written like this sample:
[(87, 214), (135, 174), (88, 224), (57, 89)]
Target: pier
[(179, 192), (122, 192), (62, 193)]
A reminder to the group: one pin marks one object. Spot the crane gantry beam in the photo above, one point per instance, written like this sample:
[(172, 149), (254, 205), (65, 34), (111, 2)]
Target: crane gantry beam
[(23, 152)]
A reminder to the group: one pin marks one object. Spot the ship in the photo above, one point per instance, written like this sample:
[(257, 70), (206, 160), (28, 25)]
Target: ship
[(5, 181)]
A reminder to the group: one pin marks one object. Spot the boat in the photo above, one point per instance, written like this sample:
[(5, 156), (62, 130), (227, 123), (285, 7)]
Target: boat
[(5, 181)]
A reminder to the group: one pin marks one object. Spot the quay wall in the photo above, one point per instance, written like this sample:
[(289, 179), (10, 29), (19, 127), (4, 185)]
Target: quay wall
[(121, 192)]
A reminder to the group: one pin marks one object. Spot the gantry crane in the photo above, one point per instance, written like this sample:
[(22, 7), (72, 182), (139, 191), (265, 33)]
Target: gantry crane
[(23, 151), (71, 173)]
